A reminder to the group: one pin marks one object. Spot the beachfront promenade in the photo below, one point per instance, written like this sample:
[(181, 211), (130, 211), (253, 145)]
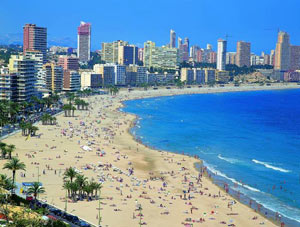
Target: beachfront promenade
[(97, 143)]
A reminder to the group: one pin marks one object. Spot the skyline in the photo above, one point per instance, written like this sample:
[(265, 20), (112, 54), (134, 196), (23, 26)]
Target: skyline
[(200, 21)]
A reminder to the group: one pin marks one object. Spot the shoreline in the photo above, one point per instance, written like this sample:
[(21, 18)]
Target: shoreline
[(209, 174), (151, 169)]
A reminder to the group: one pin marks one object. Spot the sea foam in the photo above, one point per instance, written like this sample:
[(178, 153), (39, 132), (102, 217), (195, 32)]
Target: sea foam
[(230, 160), (270, 166)]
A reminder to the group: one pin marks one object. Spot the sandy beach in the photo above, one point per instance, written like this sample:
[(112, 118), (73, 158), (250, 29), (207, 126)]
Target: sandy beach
[(158, 178)]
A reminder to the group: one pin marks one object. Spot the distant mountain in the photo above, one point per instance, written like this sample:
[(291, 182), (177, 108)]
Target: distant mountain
[(17, 39), (61, 41), (11, 38)]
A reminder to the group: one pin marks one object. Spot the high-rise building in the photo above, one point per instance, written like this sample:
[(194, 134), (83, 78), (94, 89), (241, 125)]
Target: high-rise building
[(282, 52), (136, 75), (25, 80), (35, 38), (37, 56), (295, 58), (199, 55), (68, 63), (71, 81), (243, 54), (8, 86), (84, 42), (193, 52), (160, 57), (128, 55), (179, 42), (212, 57), (230, 58), (221, 56), (266, 59), (272, 57), (172, 39), (110, 51), (120, 74), (108, 73), (54, 77), (185, 50)]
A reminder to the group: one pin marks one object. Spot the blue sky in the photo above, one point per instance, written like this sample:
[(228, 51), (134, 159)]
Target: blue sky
[(203, 21)]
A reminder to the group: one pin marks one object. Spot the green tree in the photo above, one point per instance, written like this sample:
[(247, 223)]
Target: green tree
[(10, 149), (14, 165), (36, 189), (70, 173)]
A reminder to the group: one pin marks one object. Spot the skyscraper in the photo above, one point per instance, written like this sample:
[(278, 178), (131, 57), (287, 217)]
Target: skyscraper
[(221, 55), (172, 39), (243, 54), (179, 42), (84, 42), (282, 52), (35, 38), (185, 49)]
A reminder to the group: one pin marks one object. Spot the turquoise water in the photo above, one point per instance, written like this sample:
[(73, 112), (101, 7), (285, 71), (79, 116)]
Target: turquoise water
[(250, 139)]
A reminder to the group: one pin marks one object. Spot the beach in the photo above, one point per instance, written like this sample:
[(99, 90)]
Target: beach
[(97, 142)]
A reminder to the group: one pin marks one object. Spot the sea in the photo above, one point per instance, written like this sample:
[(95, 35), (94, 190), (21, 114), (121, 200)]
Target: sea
[(247, 140)]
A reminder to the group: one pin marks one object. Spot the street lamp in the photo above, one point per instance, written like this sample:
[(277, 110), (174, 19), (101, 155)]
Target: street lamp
[(66, 200), (99, 211)]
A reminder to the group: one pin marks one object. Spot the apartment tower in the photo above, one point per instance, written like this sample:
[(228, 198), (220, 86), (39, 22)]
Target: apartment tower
[(221, 55), (84, 42), (243, 54), (35, 39), (282, 52)]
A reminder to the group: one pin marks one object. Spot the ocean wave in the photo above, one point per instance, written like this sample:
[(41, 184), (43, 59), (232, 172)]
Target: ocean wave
[(230, 160), (267, 165), (231, 179), (276, 205)]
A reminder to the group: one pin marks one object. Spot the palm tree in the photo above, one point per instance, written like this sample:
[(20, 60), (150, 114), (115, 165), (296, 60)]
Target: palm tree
[(3, 149), (67, 186), (73, 188), (3, 180), (53, 121), (70, 97), (14, 165), (70, 173), (66, 108), (81, 181), (32, 129), (45, 119), (10, 148), (88, 189), (78, 103), (85, 105), (73, 108), (36, 189)]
